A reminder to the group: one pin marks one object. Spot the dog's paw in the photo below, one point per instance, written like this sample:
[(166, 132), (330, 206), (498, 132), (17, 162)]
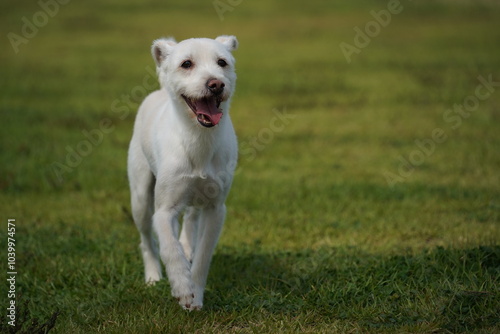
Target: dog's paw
[(152, 272), (183, 292), (151, 283), (152, 278), (197, 304), (188, 302), (191, 301), (195, 307)]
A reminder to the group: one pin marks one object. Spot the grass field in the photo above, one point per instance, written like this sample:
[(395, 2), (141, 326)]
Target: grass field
[(367, 197)]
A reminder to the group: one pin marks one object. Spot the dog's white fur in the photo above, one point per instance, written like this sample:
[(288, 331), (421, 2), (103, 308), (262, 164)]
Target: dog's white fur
[(176, 165)]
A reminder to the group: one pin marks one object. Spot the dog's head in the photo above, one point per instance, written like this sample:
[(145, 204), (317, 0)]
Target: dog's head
[(199, 73)]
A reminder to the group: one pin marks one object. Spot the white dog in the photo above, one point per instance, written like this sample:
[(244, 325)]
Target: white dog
[(181, 160)]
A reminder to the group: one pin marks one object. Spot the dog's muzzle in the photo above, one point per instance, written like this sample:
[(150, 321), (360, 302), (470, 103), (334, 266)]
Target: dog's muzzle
[(207, 109)]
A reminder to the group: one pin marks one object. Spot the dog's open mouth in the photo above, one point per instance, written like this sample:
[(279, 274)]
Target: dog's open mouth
[(206, 109)]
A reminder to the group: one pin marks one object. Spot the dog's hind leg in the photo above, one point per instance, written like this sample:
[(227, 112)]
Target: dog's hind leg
[(142, 183), (210, 227), (189, 232)]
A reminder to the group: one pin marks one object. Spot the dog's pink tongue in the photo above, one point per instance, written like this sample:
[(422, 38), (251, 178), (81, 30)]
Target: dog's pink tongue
[(208, 108)]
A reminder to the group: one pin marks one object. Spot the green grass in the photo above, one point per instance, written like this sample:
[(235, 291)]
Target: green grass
[(316, 240)]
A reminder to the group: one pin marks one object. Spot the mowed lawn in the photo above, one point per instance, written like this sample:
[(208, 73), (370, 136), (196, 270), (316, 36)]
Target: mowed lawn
[(367, 196)]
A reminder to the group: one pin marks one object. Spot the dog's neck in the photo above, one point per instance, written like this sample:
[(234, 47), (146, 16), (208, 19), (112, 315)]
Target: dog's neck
[(199, 143)]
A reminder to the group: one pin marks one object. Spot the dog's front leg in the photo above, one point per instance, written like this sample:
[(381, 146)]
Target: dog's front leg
[(209, 229), (171, 252)]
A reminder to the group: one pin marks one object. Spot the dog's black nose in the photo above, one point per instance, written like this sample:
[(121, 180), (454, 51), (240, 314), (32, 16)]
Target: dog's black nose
[(215, 86)]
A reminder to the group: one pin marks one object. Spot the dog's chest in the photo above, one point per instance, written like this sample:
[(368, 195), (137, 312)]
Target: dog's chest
[(205, 189)]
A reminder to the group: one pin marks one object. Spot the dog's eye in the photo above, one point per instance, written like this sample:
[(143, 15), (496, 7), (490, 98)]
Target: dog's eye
[(221, 63), (187, 64)]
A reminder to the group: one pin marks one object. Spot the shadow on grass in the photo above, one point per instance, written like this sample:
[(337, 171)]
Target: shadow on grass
[(456, 290)]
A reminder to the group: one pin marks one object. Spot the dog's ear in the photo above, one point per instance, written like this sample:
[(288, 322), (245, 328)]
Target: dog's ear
[(230, 42), (161, 48)]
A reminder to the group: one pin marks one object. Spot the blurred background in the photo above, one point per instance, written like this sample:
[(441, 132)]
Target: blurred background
[(348, 73)]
